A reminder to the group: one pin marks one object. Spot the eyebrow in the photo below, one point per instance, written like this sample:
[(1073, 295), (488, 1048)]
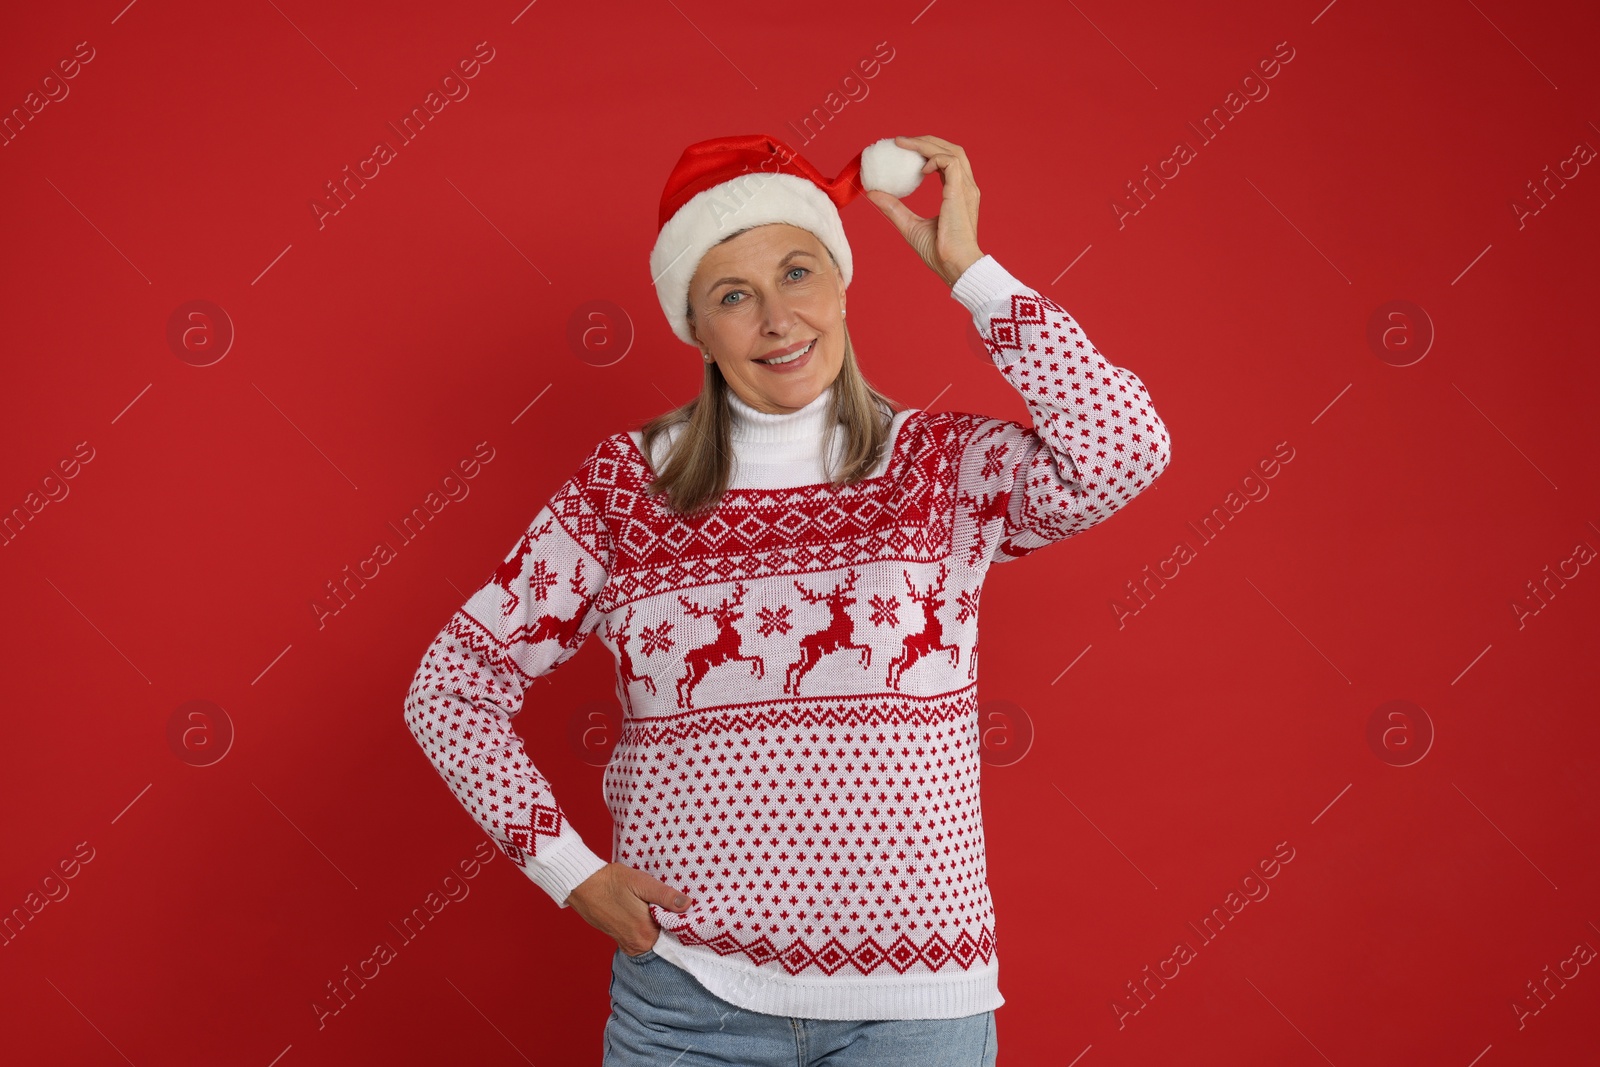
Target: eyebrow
[(741, 281)]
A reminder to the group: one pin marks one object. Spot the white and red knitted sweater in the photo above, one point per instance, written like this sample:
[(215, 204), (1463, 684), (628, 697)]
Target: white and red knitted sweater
[(798, 673)]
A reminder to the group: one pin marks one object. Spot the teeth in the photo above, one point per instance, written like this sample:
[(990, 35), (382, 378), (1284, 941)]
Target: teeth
[(786, 359)]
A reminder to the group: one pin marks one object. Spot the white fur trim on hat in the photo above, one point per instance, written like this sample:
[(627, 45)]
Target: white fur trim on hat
[(715, 214)]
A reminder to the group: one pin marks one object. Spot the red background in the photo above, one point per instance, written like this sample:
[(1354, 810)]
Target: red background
[(1232, 712)]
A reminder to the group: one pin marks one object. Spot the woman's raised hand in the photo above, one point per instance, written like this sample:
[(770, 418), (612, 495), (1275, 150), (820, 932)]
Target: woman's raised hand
[(948, 242)]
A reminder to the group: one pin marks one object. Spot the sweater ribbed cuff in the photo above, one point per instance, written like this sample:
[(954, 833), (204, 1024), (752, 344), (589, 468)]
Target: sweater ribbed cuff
[(562, 865), (983, 282), (984, 289)]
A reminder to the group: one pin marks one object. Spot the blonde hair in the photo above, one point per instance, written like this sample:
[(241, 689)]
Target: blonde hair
[(698, 468)]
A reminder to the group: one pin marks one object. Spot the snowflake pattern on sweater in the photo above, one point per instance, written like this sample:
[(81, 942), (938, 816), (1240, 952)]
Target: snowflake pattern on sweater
[(798, 674)]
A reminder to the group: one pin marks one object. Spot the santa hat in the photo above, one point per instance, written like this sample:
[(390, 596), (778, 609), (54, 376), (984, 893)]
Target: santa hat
[(728, 184)]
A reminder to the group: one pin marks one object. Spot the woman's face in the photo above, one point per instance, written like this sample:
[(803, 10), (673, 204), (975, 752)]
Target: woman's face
[(770, 289)]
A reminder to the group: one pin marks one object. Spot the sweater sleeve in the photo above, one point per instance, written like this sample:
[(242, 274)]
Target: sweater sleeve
[(1095, 443), (530, 617)]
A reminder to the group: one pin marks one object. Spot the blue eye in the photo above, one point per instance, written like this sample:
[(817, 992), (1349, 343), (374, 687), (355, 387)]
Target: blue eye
[(736, 292)]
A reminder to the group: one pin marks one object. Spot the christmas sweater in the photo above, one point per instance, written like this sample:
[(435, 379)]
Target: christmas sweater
[(797, 672)]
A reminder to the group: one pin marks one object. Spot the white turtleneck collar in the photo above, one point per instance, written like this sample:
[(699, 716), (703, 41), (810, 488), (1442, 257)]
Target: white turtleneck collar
[(773, 451), (803, 426)]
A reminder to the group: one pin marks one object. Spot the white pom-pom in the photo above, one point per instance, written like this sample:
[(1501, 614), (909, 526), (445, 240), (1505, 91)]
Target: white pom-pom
[(887, 166)]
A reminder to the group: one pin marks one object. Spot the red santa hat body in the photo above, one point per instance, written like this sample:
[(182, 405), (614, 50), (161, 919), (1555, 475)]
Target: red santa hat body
[(727, 185)]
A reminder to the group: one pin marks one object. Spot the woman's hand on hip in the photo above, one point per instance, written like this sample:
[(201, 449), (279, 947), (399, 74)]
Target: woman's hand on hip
[(615, 900), (948, 242)]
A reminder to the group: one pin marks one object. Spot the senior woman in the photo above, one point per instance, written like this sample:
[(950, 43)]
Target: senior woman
[(787, 571)]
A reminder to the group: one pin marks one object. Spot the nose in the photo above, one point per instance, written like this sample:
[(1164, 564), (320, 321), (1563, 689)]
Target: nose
[(778, 315)]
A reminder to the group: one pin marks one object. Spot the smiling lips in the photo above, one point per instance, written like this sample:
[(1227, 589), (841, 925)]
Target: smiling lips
[(788, 357)]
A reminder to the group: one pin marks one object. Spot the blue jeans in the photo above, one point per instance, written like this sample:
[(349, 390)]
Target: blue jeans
[(662, 1017)]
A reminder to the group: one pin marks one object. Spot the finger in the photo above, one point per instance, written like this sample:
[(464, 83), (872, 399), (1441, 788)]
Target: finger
[(926, 147), (930, 146), (904, 220), (931, 141), (953, 170), (658, 892), (642, 945), (902, 217), (950, 160)]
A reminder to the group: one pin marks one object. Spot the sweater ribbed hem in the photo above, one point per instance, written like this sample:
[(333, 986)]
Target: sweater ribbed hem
[(773, 991)]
